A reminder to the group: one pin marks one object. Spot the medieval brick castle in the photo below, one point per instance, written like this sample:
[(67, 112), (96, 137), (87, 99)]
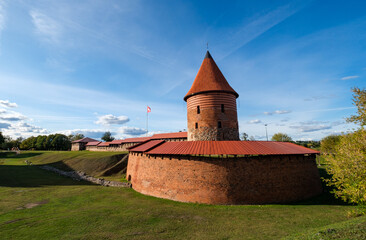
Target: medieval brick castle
[(214, 166)]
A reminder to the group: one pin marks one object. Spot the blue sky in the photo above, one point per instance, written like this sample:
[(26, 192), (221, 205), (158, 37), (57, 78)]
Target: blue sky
[(91, 66)]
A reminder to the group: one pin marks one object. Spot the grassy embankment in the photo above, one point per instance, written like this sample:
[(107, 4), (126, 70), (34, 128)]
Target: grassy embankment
[(36, 204)]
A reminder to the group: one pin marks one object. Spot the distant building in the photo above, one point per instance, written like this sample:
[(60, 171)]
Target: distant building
[(80, 144), (123, 145)]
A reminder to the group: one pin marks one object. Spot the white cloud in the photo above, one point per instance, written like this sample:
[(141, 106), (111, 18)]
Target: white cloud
[(312, 122), (2, 111), (4, 125), (22, 129), (277, 112), (349, 77), (320, 97), (134, 131), (49, 29), (110, 119), (255, 121), (12, 116), (311, 128), (92, 133), (6, 103)]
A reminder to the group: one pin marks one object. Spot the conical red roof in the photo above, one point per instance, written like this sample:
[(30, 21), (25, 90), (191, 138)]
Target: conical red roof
[(209, 79)]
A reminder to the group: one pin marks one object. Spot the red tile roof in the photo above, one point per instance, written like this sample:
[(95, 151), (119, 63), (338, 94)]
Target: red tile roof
[(93, 143), (155, 136), (134, 140), (227, 148), (209, 79), (104, 144), (116, 142), (169, 135), (86, 139), (146, 145)]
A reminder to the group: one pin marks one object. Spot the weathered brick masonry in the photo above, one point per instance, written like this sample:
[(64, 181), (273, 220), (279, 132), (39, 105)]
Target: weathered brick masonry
[(214, 108), (242, 180)]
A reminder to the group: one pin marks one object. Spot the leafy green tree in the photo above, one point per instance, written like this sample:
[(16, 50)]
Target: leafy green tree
[(76, 137), (48, 142), (7, 144), (244, 136), (2, 139), (60, 142), (348, 167), (359, 100), (328, 144), (40, 143), (28, 143), (281, 137), (107, 137)]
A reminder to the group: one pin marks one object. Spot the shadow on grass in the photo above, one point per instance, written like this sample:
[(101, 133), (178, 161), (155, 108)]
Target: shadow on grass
[(22, 155), (32, 176), (326, 198)]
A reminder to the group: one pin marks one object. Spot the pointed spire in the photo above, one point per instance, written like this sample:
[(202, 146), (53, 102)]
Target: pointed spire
[(209, 79), (208, 55)]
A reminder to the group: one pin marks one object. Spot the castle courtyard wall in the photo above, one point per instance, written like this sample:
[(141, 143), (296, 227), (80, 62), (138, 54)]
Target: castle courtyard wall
[(241, 180)]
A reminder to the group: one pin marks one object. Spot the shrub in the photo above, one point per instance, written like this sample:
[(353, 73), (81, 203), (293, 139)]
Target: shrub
[(348, 167), (329, 143)]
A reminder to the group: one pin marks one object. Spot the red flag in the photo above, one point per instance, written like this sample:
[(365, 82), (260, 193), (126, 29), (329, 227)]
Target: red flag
[(148, 109)]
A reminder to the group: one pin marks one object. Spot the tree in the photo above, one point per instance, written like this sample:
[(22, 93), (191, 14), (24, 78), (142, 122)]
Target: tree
[(2, 140), (60, 142), (359, 100), (76, 137), (107, 137), (281, 137), (29, 143), (347, 163), (244, 136), (328, 144), (348, 167)]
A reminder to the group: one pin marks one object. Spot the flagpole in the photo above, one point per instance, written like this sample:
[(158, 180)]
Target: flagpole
[(147, 121)]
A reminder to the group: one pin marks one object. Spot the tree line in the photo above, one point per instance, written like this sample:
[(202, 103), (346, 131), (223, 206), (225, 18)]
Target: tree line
[(57, 141)]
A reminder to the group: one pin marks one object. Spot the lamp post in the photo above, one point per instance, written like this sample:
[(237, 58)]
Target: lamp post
[(266, 131)]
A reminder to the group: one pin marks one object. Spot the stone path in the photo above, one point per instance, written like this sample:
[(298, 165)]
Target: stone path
[(79, 175)]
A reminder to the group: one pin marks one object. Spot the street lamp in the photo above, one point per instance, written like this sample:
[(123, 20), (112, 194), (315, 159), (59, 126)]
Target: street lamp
[(266, 131)]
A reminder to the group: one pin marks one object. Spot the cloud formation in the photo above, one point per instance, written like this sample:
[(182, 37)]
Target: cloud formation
[(277, 112), (46, 27), (12, 117), (4, 125), (317, 98), (311, 128), (255, 121), (349, 77), (112, 120), (6, 103), (22, 129), (134, 131), (92, 133)]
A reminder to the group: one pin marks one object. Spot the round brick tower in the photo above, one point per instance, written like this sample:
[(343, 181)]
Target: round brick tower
[(211, 105)]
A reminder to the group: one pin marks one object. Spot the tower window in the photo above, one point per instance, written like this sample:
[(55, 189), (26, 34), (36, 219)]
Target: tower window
[(222, 108), (198, 110), (196, 125), (219, 124)]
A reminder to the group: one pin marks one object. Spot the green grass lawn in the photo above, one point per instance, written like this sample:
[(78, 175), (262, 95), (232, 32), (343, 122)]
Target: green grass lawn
[(36, 204)]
